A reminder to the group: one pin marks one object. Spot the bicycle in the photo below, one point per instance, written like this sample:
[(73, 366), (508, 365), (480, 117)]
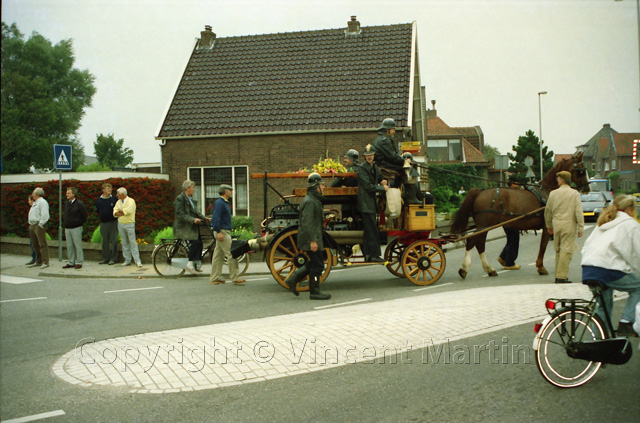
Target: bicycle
[(573, 342), (170, 257)]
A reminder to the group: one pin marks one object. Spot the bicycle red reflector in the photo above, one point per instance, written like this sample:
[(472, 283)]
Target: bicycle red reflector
[(537, 327), (550, 305)]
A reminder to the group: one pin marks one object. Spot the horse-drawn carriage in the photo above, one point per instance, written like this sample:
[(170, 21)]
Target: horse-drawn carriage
[(411, 252)]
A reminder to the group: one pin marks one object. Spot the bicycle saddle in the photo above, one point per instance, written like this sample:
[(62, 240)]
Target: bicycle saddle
[(595, 284)]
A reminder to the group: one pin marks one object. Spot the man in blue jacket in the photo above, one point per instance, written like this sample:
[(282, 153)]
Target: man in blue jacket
[(221, 224)]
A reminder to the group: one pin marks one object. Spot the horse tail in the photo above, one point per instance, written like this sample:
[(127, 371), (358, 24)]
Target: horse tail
[(461, 217)]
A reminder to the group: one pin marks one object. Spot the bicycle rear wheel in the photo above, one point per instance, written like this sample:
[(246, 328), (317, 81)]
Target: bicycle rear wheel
[(553, 361), (165, 259)]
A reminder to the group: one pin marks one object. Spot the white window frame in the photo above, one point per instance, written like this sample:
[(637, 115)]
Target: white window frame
[(200, 186)]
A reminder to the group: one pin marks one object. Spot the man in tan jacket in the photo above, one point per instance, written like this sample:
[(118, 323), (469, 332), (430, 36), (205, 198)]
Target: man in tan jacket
[(564, 219)]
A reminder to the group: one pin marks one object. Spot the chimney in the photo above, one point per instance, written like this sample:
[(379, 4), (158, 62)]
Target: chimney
[(431, 113), (353, 27), (207, 38)]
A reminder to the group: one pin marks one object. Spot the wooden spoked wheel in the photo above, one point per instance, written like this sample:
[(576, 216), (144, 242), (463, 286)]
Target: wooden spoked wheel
[(393, 255), (282, 255), (423, 262)]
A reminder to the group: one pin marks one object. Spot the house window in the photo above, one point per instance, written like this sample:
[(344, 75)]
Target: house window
[(613, 164), (593, 166), (598, 166), (606, 166), (444, 150), (209, 179)]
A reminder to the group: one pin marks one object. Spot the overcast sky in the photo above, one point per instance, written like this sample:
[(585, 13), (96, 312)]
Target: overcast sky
[(483, 61)]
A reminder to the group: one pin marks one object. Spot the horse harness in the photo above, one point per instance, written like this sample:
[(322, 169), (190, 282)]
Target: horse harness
[(534, 190)]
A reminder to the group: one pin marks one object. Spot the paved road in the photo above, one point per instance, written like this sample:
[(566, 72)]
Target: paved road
[(380, 350)]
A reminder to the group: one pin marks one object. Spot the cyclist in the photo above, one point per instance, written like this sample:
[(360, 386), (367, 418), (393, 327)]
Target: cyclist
[(611, 255)]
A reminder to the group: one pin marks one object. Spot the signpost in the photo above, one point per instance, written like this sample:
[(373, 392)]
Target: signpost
[(61, 161)]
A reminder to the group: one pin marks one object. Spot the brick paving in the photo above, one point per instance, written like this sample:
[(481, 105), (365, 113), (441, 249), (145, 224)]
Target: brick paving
[(235, 353)]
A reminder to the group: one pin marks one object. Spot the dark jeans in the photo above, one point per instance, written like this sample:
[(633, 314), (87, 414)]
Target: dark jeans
[(371, 236), (109, 234), (195, 249), (510, 251)]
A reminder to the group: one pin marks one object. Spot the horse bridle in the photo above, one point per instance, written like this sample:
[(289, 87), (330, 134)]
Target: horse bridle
[(580, 171)]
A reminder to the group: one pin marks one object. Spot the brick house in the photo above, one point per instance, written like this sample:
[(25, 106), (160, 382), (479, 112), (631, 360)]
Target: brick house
[(610, 151), (280, 102)]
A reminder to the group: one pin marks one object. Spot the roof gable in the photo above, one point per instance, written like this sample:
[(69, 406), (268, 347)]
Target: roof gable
[(624, 143), (299, 81)]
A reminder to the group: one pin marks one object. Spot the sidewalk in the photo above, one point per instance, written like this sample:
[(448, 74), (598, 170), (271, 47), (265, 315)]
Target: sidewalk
[(15, 265)]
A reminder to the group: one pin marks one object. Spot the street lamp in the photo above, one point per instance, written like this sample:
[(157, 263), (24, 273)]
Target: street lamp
[(540, 130)]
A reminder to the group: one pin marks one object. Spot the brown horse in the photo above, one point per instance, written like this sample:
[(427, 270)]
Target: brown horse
[(493, 206)]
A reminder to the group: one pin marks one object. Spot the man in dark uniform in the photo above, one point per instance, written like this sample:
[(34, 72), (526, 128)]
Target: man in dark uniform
[(310, 240), (509, 253), (370, 182), (351, 159), (387, 157)]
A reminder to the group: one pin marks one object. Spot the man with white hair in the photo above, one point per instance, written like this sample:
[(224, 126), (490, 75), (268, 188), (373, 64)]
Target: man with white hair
[(38, 217), (125, 211), (185, 225)]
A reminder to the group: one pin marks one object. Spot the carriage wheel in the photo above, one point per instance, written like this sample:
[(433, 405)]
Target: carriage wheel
[(423, 262), (280, 259), (393, 255)]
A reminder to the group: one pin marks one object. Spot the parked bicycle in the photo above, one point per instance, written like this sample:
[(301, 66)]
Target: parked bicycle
[(170, 257), (573, 342)]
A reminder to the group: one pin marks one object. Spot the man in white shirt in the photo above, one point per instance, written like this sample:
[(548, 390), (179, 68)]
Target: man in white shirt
[(38, 218)]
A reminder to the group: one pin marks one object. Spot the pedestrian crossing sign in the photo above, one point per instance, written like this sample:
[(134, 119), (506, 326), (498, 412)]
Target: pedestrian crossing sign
[(62, 157)]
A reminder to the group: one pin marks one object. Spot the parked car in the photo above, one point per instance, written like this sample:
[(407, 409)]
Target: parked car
[(593, 204)]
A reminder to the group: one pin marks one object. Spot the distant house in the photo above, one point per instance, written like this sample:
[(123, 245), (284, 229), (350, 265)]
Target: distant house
[(610, 151), (279, 102)]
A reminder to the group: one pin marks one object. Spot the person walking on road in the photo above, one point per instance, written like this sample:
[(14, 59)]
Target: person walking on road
[(125, 211), (564, 220), (108, 224), (310, 240), (75, 214), (185, 225), (611, 255), (509, 253), (221, 224), (38, 218)]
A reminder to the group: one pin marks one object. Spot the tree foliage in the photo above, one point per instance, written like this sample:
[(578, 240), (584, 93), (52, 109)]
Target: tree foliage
[(43, 100), (490, 153), (529, 145), (93, 167), (111, 152)]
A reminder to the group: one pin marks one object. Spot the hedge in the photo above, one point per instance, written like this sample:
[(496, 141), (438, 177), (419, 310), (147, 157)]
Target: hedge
[(154, 204)]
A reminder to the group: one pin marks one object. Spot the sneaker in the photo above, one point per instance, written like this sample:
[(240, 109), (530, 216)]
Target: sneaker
[(104, 262), (34, 264), (514, 267), (44, 266), (139, 264), (189, 268), (126, 264), (626, 329), (111, 263)]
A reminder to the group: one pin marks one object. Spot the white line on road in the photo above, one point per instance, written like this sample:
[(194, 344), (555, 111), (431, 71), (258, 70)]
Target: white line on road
[(430, 287), (35, 417), (341, 304), (134, 289), (17, 280), (23, 299)]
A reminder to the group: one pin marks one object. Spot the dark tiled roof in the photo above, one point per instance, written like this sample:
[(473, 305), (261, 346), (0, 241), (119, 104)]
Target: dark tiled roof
[(299, 81), (592, 144)]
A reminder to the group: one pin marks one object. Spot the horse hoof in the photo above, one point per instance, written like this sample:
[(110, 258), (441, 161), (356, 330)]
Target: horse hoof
[(493, 273), (462, 273), (542, 271)]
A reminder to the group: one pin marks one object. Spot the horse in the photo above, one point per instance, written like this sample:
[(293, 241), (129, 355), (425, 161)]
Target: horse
[(493, 206)]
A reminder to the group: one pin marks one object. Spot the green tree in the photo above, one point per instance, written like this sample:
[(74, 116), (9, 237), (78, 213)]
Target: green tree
[(111, 152), (93, 167), (529, 146), (490, 153), (43, 100), (613, 178)]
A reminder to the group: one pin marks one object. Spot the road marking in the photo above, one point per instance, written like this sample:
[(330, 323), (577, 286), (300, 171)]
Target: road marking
[(17, 280), (23, 299), (430, 287), (341, 304), (499, 272), (134, 289), (35, 417)]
